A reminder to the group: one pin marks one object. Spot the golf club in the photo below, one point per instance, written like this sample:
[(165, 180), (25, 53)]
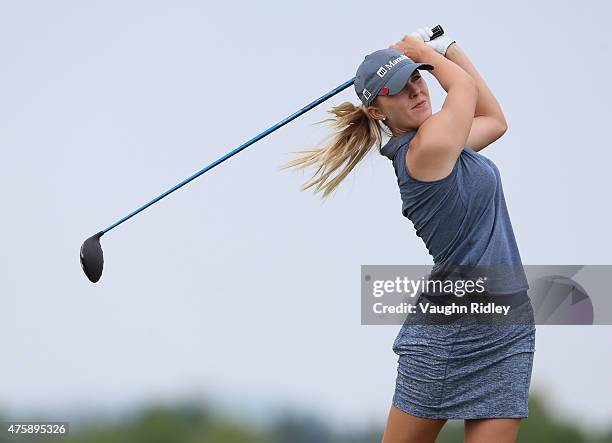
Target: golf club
[(91, 256)]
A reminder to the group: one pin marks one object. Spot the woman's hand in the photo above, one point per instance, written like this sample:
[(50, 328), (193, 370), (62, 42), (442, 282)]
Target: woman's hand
[(414, 47), (440, 44)]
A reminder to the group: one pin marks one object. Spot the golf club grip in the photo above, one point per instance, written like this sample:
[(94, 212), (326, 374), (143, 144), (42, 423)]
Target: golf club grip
[(437, 31)]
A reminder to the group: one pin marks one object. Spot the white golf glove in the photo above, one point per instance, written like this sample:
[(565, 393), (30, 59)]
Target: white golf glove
[(439, 44)]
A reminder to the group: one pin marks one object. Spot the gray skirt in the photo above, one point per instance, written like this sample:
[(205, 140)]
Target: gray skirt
[(466, 369)]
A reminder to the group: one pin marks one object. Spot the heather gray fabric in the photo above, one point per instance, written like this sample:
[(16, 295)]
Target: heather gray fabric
[(462, 218), (463, 369)]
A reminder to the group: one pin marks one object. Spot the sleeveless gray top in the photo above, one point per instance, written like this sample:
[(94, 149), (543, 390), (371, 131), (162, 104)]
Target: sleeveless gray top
[(462, 218)]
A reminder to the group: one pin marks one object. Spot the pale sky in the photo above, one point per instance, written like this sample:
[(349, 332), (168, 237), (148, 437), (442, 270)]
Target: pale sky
[(239, 286)]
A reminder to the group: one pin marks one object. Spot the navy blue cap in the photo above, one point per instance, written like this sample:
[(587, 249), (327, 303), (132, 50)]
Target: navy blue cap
[(385, 70)]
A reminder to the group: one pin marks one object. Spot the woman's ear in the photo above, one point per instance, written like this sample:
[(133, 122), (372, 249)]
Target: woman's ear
[(375, 113)]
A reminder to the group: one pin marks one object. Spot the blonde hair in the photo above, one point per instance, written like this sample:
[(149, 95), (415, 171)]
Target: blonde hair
[(356, 133)]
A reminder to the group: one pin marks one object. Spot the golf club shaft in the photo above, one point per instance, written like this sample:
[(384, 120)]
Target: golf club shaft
[(437, 31), (293, 116)]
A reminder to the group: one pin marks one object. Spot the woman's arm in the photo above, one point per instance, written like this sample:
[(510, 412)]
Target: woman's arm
[(489, 122), (442, 136)]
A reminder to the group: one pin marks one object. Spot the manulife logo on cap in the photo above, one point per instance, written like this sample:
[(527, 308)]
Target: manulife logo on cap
[(385, 68)]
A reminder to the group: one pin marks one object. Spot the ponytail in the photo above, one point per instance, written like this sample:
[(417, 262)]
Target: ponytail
[(356, 133)]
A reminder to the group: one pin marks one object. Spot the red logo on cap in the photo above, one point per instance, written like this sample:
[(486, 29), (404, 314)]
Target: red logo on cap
[(384, 91)]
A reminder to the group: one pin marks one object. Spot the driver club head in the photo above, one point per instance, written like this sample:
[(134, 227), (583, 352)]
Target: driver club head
[(92, 258)]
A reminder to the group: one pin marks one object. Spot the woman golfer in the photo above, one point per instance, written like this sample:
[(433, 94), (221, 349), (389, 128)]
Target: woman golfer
[(453, 196)]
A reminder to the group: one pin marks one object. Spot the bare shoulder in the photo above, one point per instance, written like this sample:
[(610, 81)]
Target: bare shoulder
[(428, 162)]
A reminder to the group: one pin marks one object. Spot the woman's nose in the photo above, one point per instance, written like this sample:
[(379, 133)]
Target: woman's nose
[(413, 90)]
